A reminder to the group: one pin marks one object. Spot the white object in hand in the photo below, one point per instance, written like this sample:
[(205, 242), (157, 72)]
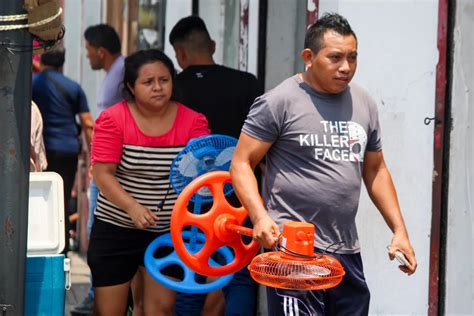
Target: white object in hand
[(401, 258)]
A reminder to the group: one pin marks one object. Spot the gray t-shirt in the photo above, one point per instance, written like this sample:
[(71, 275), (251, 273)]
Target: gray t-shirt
[(314, 167), (110, 91)]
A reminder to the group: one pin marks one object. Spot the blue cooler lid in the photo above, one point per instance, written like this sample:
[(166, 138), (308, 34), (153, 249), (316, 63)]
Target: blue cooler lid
[(46, 235)]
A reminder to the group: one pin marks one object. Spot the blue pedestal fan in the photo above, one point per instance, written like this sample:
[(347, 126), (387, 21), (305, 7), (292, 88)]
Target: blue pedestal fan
[(201, 155)]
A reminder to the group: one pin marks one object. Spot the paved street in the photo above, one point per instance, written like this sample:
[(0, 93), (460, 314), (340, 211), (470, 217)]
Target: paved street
[(80, 281)]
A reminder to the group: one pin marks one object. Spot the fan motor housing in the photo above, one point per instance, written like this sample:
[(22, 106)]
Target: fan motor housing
[(298, 237)]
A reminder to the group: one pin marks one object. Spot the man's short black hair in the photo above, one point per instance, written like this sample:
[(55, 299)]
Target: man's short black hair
[(185, 28), (103, 35), (329, 21), (53, 57)]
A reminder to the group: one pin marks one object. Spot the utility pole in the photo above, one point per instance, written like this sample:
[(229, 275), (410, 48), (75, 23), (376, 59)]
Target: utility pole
[(15, 113)]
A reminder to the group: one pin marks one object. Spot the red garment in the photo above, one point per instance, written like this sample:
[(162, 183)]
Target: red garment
[(116, 127)]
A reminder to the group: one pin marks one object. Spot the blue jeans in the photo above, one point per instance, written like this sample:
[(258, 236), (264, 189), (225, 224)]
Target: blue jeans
[(93, 195), (240, 294), (240, 298)]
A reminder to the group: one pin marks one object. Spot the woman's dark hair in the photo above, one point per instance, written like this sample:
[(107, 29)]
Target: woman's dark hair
[(134, 62), (329, 21)]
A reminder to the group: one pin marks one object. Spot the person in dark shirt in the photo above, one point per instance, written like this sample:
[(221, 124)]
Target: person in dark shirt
[(224, 95), (60, 100)]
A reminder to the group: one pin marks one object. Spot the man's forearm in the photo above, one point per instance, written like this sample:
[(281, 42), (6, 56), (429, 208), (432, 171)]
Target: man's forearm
[(383, 194), (88, 134)]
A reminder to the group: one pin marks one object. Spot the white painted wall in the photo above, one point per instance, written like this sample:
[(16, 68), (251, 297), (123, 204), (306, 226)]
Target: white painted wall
[(460, 236), (397, 65), (212, 12), (78, 15), (252, 65), (286, 23), (175, 11)]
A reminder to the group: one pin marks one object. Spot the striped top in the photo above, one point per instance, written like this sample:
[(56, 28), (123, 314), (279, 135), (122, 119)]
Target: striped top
[(143, 162)]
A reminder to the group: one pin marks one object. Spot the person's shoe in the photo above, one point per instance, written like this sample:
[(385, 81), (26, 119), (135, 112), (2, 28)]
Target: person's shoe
[(86, 307)]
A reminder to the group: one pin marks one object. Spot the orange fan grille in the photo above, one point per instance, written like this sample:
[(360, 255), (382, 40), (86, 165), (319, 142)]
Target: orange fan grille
[(283, 271)]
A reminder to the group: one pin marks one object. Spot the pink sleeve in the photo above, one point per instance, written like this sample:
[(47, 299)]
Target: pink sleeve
[(200, 127), (107, 140)]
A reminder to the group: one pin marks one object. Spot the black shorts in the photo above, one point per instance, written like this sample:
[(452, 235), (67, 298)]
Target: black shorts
[(350, 297), (115, 253)]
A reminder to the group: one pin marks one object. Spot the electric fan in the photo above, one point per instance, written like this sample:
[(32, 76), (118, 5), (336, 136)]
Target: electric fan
[(201, 155), (293, 266)]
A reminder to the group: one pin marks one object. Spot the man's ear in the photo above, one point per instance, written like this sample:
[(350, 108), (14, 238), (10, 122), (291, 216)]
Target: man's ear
[(180, 51), (180, 54), (101, 52), (212, 47), (307, 57)]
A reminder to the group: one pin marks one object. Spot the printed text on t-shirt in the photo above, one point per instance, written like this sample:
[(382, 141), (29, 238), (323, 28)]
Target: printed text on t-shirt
[(339, 141)]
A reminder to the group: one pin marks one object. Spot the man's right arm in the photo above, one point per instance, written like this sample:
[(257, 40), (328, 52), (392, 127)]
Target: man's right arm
[(87, 124), (247, 155)]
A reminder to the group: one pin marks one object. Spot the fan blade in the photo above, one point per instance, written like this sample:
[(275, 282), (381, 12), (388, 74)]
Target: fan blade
[(187, 166), (225, 156)]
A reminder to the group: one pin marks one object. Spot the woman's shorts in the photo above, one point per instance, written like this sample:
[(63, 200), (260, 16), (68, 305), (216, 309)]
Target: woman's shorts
[(115, 253)]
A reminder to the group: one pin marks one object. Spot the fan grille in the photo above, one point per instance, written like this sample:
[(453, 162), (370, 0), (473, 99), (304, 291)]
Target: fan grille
[(202, 155), (278, 270)]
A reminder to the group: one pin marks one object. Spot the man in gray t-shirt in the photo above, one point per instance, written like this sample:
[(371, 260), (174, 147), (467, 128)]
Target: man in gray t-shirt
[(320, 136), (315, 164), (104, 52)]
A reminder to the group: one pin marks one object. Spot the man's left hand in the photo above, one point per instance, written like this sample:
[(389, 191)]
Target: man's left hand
[(402, 244)]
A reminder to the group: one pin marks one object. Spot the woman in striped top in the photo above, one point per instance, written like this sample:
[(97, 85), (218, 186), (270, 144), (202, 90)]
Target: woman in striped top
[(133, 146)]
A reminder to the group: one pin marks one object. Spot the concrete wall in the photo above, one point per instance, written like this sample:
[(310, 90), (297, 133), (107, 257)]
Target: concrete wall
[(286, 22), (78, 15), (397, 65), (460, 237), (175, 10)]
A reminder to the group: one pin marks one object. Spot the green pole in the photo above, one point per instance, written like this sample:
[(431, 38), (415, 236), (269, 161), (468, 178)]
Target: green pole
[(15, 112)]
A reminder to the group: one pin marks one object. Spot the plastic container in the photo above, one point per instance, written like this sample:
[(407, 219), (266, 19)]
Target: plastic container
[(47, 271)]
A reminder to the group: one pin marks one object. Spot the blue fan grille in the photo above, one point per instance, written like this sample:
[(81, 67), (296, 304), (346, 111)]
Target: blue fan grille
[(200, 157)]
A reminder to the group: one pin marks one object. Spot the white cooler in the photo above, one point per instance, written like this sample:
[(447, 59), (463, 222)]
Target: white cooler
[(47, 271)]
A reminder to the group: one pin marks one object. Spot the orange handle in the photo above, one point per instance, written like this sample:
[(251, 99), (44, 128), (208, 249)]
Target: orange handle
[(240, 229)]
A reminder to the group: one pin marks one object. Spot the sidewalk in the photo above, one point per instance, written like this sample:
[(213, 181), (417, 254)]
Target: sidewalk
[(80, 282)]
